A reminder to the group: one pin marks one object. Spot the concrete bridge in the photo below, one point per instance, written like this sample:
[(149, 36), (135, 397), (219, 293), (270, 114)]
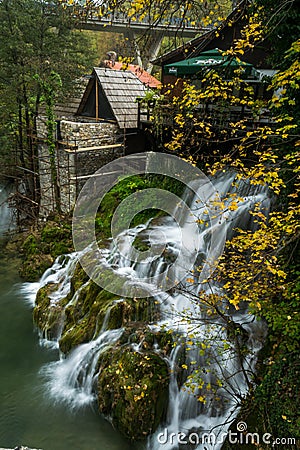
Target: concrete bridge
[(120, 23), (135, 30)]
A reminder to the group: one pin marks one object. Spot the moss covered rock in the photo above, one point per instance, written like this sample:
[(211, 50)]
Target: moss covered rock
[(133, 390), (132, 385), (34, 266), (96, 308), (40, 247), (78, 279), (85, 317), (47, 315), (141, 243)]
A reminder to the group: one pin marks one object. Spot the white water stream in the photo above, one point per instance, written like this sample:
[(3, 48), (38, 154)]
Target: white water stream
[(5, 212), (203, 396)]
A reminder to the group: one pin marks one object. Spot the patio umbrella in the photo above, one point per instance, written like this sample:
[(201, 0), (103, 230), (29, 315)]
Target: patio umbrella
[(208, 59)]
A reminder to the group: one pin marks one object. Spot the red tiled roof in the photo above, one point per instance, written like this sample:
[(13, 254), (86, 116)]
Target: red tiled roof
[(145, 77)]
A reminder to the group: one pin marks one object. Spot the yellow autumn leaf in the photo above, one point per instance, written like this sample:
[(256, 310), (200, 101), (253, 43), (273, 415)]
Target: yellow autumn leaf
[(190, 280)]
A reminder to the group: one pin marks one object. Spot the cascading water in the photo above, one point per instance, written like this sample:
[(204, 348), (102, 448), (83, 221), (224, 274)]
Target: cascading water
[(60, 275), (217, 375), (75, 376), (5, 211), (209, 371)]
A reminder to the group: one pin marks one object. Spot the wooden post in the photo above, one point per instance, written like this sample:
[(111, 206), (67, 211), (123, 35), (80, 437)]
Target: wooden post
[(76, 174), (97, 98)]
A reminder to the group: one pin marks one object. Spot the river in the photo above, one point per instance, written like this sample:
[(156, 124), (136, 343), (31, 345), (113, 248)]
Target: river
[(27, 415)]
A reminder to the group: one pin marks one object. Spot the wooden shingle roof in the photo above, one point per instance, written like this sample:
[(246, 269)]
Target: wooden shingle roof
[(120, 89), (146, 78)]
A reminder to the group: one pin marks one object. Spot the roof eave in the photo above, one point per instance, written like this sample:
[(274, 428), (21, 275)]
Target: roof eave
[(235, 15)]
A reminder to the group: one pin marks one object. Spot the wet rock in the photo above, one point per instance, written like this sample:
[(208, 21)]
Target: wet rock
[(84, 318), (34, 266), (132, 377), (48, 316), (133, 390)]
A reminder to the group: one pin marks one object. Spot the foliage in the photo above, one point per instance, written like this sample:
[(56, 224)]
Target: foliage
[(180, 13), (277, 397), (101, 43), (281, 21), (259, 267), (177, 13), (37, 39), (264, 154)]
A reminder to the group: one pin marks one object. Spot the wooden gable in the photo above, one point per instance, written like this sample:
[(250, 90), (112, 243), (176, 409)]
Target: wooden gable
[(111, 96)]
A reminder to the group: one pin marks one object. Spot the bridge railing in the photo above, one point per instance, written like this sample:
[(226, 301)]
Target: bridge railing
[(119, 18)]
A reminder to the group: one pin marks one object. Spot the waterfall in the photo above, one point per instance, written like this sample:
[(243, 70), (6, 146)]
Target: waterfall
[(59, 275), (72, 380), (5, 211), (209, 376), (202, 408)]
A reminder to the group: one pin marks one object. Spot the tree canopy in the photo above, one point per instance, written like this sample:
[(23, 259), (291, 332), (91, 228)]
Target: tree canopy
[(37, 39)]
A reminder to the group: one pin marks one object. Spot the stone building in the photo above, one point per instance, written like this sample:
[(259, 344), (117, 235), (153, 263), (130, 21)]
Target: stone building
[(92, 130)]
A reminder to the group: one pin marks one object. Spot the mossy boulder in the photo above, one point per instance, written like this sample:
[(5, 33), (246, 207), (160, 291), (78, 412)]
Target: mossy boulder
[(79, 278), (85, 317), (45, 243), (133, 390), (56, 238), (35, 265), (139, 334), (124, 312), (47, 315), (141, 243), (30, 245), (56, 231)]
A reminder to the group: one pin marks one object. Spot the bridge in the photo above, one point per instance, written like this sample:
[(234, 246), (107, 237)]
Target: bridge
[(120, 23), (134, 30)]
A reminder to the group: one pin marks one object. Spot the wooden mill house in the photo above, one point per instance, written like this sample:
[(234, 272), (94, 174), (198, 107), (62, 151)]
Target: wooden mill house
[(92, 130)]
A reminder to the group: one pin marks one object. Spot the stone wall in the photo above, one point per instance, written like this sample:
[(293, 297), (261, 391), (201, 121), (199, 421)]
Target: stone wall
[(78, 154)]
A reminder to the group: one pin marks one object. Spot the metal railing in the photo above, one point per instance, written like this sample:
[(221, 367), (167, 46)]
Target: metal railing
[(117, 20)]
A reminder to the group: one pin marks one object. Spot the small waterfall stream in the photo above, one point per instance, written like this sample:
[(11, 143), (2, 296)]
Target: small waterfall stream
[(75, 376), (208, 373), (5, 212)]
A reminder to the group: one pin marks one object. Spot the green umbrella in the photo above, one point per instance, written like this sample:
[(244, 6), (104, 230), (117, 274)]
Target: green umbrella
[(207, 59)]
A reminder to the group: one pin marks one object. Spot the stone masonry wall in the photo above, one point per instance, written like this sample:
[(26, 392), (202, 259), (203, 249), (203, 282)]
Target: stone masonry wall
[(72, 161)]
